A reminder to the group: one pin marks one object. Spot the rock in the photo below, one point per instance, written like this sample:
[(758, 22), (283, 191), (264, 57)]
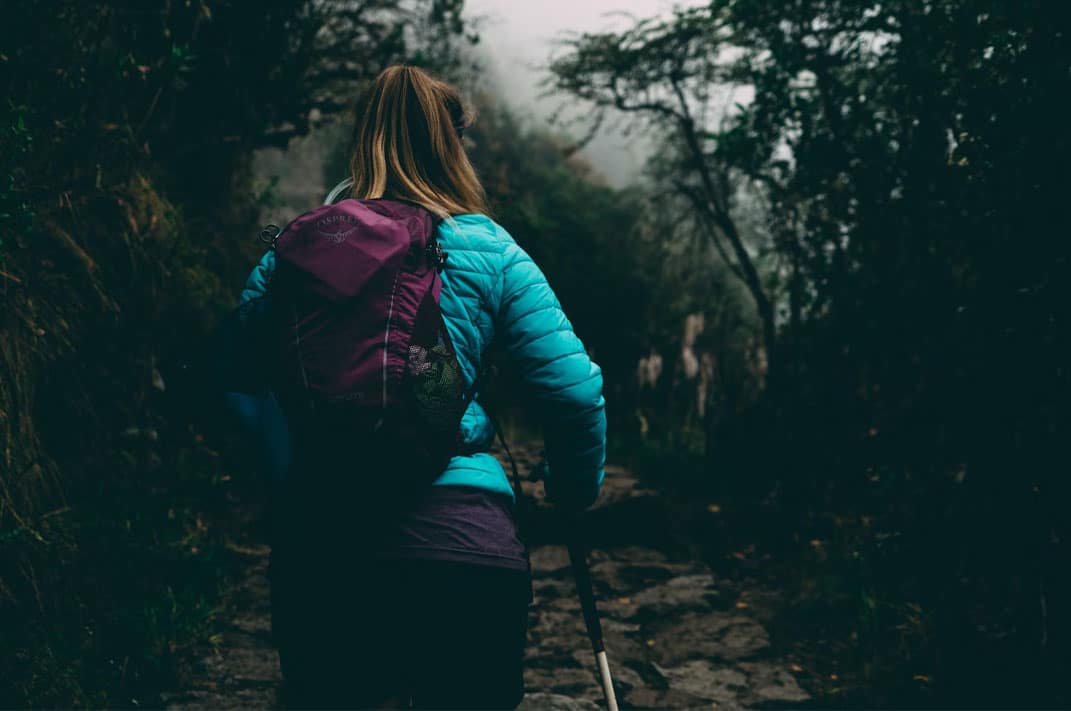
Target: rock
[(552, 586), (560, 679), (251, 663), (555, 702), (557, 596), (772, 682), (625, 677), (549, 560), (675, 595), (557, 624), (704, 680), (645, 697), (712, 635), (624, 578), (622, 647), (256, 625), (610, 627)]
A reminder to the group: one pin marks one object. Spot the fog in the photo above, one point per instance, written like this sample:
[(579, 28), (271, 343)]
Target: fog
[(517, 39)]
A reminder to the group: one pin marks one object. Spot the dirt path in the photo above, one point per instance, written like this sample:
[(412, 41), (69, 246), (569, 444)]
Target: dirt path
[(677, 636), (242, 670)]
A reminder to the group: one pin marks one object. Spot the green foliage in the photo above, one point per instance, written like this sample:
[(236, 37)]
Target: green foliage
[(16, 144), (127, 583)]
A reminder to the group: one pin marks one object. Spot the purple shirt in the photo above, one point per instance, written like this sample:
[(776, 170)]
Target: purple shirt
[(461, 524)]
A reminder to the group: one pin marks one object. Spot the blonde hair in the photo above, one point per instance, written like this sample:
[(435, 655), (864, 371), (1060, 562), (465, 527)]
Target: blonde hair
[(407, 144)]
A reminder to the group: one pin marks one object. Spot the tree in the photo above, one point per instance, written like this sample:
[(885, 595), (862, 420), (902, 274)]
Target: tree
[(669, 75)]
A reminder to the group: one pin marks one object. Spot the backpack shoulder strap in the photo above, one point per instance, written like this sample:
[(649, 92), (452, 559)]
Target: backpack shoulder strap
[(518, 491), (481, 378)]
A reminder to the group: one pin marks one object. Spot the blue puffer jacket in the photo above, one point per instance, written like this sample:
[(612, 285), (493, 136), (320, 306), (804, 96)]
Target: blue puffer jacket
[(493, 289)]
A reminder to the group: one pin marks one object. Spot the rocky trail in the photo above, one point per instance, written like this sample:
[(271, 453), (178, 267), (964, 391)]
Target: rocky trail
[(677, 636)]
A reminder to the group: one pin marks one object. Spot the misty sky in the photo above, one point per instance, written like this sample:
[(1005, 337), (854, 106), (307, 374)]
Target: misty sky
[(517, 36)]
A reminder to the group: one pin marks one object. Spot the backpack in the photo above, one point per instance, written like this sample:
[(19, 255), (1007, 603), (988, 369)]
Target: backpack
[(363, 363)]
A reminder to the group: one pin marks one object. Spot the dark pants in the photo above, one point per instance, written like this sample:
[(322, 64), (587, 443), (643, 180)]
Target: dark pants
[(377, 634)]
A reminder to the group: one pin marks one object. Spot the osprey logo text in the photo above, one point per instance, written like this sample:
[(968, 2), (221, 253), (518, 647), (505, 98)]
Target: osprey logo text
[(336, 228)]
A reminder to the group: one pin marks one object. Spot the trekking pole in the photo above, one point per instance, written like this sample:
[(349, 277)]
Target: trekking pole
[(578, 557)]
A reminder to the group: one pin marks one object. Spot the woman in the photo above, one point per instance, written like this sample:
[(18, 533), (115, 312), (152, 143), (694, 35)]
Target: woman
[(428, 605)]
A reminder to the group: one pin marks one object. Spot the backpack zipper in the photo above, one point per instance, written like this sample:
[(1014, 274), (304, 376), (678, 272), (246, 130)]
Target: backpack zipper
[(386, 336)]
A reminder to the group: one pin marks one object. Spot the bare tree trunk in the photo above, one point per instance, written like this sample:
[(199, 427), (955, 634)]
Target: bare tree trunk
[(719, 212)]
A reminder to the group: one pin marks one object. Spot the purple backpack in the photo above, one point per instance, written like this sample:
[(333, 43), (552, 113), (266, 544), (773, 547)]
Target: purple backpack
[(366, 368)]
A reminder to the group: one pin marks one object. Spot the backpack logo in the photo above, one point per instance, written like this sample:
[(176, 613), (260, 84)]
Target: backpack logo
[(335, 228)]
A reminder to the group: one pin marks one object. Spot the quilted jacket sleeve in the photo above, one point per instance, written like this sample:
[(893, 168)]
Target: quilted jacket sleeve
[(259, 414), (257, 283), (566, 384)]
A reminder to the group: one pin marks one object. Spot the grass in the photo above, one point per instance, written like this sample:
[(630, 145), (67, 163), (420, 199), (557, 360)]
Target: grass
[(125, 586), (114, 511)]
